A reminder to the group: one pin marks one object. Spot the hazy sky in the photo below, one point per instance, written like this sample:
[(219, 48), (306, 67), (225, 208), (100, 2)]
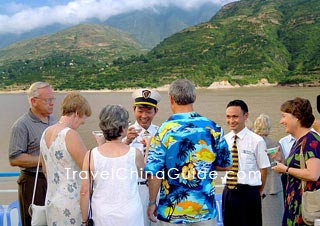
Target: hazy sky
[(24, 15)]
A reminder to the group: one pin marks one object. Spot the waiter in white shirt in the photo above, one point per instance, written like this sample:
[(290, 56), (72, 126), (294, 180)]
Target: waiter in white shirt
[(145, 108), (241, 201)]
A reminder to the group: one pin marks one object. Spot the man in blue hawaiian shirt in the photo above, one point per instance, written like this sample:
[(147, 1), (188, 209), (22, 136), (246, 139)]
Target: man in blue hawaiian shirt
[(184, 154)]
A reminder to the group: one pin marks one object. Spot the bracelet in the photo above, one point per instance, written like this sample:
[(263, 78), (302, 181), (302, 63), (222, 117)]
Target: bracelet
[(151, 203), (84, 222), (287, 170)]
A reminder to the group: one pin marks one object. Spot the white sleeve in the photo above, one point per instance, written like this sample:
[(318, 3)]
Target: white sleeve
[(262, 156)]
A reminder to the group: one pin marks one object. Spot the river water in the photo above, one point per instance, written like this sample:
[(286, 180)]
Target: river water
[(209, 103)]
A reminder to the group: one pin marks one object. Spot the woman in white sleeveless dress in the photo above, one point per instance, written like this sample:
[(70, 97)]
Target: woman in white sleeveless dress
[(115, 168), (63, 152)]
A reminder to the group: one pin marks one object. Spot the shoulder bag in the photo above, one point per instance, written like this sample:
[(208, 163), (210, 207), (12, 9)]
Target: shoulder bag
[(90, 221), (310, 207), (37, 213)]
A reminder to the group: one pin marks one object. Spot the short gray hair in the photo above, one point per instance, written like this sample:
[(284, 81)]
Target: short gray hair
[(33, 91), (182, 91), (113, 118), (262, 125)]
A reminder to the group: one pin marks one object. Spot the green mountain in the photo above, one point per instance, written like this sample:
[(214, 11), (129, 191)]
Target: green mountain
[(244, 42), (150, 26), (96, 42), (9, 39), (64, 57)]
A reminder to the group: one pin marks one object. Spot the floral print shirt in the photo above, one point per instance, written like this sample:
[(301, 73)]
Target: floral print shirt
[(184, 153), (292, 213)]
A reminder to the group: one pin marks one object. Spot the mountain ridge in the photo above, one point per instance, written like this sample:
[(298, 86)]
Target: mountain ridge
[(83, 37), (161, 22), (246, 41)]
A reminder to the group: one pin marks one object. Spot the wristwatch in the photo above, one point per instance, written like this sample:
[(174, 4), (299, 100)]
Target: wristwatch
[(151, 203)]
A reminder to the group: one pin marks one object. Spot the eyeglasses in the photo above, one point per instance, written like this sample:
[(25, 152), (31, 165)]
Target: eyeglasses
[(46, 100)]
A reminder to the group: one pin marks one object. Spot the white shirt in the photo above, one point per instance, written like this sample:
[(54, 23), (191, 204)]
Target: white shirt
[(286, 144), (137, 141), (252, 156)]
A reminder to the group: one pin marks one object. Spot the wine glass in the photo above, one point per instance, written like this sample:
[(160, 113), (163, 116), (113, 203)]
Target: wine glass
[(147, 139)]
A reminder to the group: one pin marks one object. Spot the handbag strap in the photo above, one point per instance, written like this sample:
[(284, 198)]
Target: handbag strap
[(302, 162), (91, 186), (36, 180)]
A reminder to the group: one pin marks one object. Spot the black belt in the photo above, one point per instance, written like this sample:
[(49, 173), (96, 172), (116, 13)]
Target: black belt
[(247, 187), (143, 182), (28, 173)]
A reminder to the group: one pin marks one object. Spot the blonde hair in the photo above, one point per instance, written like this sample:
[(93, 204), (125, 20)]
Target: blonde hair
[(262, 125), (73, 103)]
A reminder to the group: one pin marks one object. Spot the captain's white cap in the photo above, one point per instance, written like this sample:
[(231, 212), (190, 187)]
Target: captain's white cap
[(146, 97)]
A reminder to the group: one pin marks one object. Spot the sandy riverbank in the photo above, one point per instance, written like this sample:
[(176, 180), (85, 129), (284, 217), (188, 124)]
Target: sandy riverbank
[(215, 85)]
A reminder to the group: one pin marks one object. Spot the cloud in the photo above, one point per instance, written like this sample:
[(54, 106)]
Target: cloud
[(22, 18), (13, 7)]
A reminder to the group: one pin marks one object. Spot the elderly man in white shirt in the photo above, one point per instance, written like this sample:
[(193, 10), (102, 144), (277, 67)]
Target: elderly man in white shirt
[(241, 201)]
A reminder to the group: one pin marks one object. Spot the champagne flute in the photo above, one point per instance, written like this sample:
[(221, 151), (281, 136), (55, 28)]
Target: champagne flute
[(147, 139)]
